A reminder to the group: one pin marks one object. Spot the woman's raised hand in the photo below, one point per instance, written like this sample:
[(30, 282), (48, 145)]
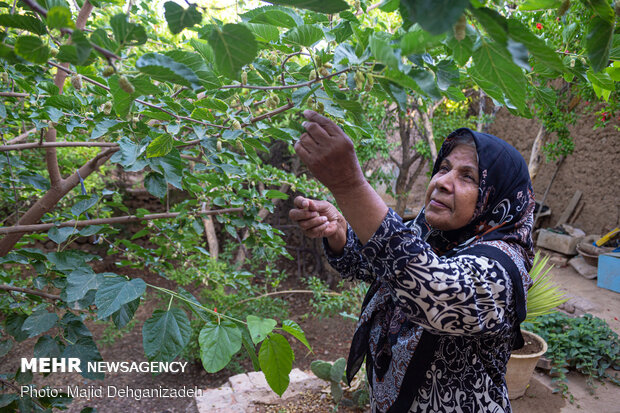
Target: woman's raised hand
[(320, 219), (329, 154)]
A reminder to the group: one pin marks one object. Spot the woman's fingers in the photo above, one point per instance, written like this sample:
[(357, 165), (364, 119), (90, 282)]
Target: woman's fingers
[(297, 214), (308, 224)]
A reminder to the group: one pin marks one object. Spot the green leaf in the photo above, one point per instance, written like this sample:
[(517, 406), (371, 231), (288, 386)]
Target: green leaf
[(598, 42), (496, 66), (156, 184), (534, 5), (171, 166), (264, 32), (304, 35), (47, 347), (494, 23), (86, 350), (83, 47), (165, 69), (259, 327), (417, 40), (295, 330), (160, 146), (165, 334), (179, 18), (107, 125), (193, 304), (249, 348), (321, 369), (39, 322), (125, 313), (195, 62), (32, 48), (80, 282), (602, 8), (383, 52), (218, 343), (435, 16), (234, 46), (59, 17), (212, 103), (91, 230), (115, 291), (337, 370), (274, 17), (5, 347), (321, 6), (60, 235), (536, 46), (84, 205), (601, 79), (18, 21), (273, 193), (13, 325), (127, 33), (276, 361)]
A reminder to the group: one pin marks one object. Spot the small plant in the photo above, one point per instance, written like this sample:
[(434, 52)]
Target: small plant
[(544, 295), (586, 344), (334, 373)]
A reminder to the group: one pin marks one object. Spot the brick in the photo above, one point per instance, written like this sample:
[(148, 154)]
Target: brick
[(214, 399), (562, 243), (241, 383)]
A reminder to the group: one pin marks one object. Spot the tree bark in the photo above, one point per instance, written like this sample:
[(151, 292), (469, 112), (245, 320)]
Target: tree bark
[(536, 155)]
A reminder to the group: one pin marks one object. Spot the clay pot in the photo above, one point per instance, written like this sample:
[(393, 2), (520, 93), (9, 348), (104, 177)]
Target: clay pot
[(521, 366)]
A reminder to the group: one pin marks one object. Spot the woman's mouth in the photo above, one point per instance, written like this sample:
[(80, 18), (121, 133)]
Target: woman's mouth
[(437, 204)]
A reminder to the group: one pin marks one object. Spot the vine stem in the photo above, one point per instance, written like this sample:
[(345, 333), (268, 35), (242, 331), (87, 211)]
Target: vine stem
[(192, 303), (284, 292), (295, 86)]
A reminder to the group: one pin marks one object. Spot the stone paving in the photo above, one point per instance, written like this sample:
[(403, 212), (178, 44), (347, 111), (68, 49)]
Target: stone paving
[(244, 392)]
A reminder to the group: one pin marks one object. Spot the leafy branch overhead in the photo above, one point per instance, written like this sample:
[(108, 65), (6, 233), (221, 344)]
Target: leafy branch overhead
[(201, 107)]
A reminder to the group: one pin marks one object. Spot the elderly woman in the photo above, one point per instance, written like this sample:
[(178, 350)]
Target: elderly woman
[(447, 290)]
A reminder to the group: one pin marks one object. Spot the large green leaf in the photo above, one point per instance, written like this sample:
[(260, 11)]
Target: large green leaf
[(534, 5), (495, 64), (304, 35), (166, 69), (47, 347), (322, 6), (160, 146), (536, 46), (179, 18), (125, 313), (80, 282), (494, 23), (276, 361), (59, 17), (127, 33), (598, 42), (39, 322), (156, 184), (60, 235), (260, 327), (274, 17), (218, 343), (295, 330), (171, 166), (86, 350), (165, 334), (195, 62), (115, 291), (32, 48), (602, 8), (13, 325), (234, 46), (417, 40), (383, 52), (435, 16), (84, 205), (264, 32), (19, 21)]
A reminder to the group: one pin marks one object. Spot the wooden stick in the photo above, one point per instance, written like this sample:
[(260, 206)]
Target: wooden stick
[(542, 202)]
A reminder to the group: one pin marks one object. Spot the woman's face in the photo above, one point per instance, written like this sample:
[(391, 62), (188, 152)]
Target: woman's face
[(453, 191)]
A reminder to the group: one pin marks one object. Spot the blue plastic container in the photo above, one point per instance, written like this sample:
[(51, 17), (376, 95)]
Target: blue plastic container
[(609, 271)]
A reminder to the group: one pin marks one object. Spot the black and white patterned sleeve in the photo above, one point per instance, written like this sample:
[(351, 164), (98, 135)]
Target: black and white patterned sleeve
[(351, 264), (465, 294)]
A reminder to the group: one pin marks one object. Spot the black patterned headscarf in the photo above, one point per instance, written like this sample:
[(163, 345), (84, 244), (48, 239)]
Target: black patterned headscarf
[(505, 207)]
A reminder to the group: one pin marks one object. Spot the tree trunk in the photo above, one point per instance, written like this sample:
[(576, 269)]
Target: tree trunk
[(536, 156)]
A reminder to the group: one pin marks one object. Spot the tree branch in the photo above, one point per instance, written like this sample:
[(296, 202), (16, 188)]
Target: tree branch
[(13, 95), (30, 291), (23, 146), (114, 220), (22, 136), (295, 86)]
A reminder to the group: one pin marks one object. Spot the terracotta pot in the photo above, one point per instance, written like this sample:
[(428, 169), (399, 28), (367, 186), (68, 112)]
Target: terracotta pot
[(521, 366)]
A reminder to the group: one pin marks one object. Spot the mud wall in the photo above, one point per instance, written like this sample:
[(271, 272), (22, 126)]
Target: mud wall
[(593, 168)]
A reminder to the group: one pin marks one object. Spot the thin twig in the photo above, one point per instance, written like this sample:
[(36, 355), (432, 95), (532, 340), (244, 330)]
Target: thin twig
[(113, 220), (295, 86), (14, 95), (22, 136), (8, 161), (284, 292)]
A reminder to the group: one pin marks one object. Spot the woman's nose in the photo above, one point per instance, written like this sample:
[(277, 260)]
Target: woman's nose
[(446, 182)]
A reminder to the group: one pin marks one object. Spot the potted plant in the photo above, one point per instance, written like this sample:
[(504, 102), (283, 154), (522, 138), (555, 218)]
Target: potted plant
[(542, 298)]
